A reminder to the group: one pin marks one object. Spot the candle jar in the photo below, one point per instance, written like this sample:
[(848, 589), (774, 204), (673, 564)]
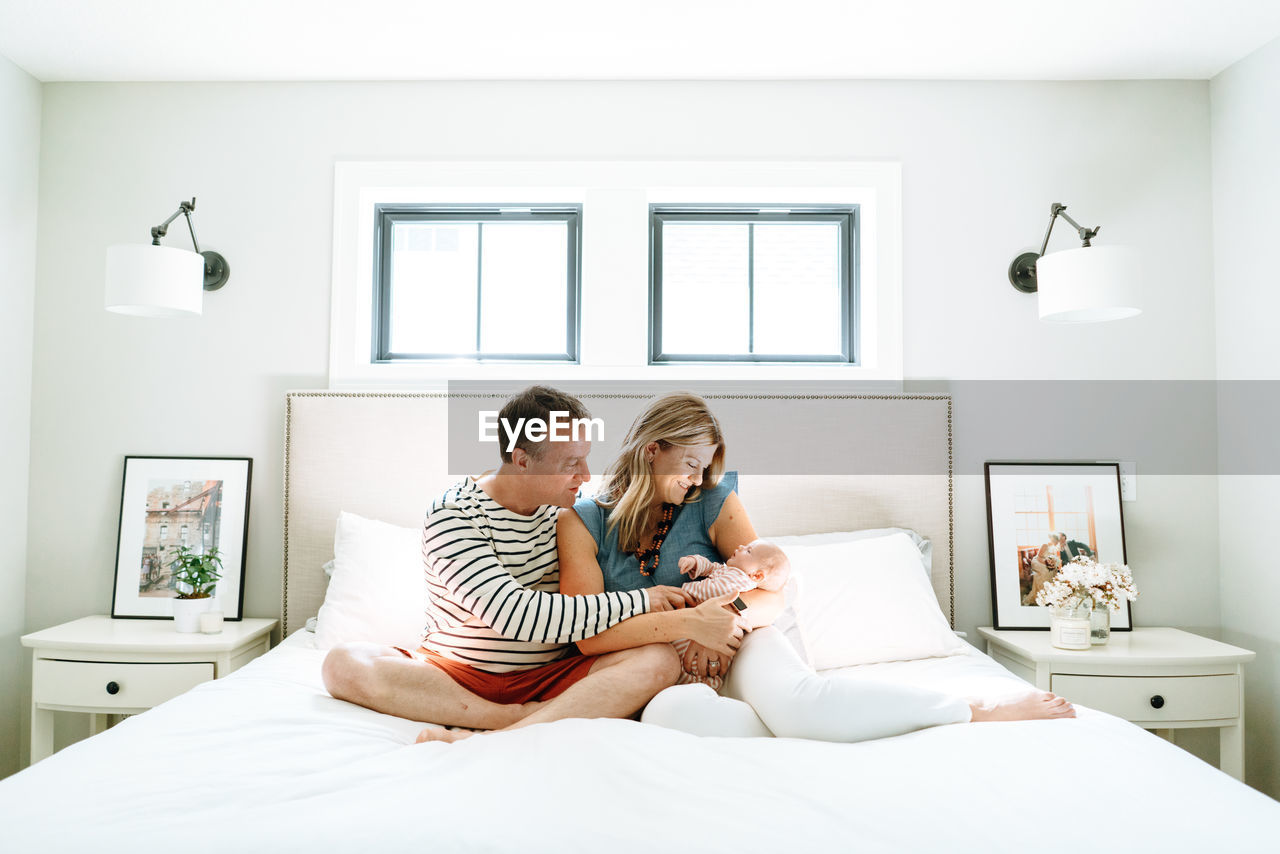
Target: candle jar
[(1099, 625), (211, 622), (1069, 628)]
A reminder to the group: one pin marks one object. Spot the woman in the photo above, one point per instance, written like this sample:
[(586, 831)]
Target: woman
[(667, 495), (1044, 566)]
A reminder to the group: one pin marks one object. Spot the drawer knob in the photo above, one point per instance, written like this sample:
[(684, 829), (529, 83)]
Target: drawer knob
[(1157, 702), (114, 688)]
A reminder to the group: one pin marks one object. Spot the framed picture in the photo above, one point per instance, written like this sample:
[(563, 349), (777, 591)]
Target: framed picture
[(1039, 517), (168, 502)]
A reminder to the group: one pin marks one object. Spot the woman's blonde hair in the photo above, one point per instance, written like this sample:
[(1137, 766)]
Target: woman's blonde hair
[(674, 419)]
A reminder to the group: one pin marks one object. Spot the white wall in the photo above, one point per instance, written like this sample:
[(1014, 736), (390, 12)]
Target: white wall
[(19, 168), (1245, 109), (981, 163)]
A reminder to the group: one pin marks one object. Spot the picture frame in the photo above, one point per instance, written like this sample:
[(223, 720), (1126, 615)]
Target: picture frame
[(1039, 516), (166, 502)]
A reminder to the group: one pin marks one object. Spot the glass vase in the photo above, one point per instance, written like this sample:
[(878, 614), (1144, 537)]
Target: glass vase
[(1069, 627), (1099, 625)]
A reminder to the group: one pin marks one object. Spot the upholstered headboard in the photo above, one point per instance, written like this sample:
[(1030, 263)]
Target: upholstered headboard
[(385, 455)]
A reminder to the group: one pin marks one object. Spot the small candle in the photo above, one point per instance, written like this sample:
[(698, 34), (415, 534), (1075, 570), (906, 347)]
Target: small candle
[(211, 622), (1069, 632)]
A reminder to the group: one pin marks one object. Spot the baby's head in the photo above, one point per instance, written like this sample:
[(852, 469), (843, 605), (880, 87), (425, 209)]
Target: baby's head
[(766, 563)]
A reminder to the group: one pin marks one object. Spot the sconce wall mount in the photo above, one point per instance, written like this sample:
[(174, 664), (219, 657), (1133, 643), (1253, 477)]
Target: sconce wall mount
[(1022, 272)]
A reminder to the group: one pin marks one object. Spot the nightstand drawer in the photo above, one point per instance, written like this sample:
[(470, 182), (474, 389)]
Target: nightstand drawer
[(114, 686), (1154, 698)]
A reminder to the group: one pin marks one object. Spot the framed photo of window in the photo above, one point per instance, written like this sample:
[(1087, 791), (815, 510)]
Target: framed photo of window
[(169, 502), (1041, 515)]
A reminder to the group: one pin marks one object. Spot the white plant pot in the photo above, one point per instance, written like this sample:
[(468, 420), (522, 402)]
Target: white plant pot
[(186, 613)]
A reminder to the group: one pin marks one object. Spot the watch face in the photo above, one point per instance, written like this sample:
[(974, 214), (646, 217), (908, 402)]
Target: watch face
[(739, 605)]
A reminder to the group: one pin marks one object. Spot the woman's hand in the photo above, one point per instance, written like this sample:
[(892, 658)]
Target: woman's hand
[(663, 598), (715, 627), (702, 662)]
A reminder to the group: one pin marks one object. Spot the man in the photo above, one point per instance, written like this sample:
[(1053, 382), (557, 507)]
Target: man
[(1072, 549), (497, 651)]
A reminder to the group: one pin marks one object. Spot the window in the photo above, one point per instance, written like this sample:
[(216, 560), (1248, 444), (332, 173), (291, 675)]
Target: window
[(739, 284), (480, 283), (603, 294)]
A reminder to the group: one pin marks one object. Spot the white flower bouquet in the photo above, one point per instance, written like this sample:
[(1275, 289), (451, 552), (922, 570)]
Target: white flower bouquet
[(1084, 583)]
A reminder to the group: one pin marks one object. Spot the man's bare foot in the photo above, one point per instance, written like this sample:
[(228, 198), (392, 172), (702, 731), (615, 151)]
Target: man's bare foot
[(1033, 707), (526, 709), (448, 736)]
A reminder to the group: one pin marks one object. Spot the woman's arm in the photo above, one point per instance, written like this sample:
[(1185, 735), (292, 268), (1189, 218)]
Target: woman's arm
[(731, 529), (580, 575)]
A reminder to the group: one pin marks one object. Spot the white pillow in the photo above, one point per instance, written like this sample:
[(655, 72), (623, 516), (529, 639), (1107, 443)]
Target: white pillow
[(786, 621), (805, 540), (866, 601), (377, 590)]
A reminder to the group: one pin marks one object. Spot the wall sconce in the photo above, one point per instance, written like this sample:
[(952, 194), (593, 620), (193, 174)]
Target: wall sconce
[(1085, 285), (159, 281)]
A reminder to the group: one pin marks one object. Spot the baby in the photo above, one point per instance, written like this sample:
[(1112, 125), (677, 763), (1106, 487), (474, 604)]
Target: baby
[(756, 564)]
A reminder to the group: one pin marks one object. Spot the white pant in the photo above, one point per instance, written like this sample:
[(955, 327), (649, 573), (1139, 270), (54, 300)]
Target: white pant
[(770, 691)]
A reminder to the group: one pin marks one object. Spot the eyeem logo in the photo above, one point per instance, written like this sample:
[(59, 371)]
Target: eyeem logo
[(561, 428)]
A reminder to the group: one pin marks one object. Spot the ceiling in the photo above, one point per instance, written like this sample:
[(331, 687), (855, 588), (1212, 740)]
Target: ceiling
[(188, 40)]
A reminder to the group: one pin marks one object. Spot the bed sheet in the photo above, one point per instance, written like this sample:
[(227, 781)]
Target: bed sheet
[(266, 760)]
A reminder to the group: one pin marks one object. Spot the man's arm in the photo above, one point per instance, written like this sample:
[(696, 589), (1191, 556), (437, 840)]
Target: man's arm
[(465, 564)]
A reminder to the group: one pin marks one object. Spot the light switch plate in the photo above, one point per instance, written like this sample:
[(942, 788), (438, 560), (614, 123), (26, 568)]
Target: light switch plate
[(1128, 481)]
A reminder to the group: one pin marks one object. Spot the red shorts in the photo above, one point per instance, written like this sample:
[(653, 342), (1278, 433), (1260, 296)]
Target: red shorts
[(517, 686)]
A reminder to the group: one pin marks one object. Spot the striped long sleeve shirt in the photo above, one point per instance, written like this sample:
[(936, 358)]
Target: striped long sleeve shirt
[(493, 577)]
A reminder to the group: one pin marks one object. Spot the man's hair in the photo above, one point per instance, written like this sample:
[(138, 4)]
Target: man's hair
[(537, 401)]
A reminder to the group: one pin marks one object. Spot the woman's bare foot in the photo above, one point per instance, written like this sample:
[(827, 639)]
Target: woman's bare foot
[(448, 736), (1032, 707)]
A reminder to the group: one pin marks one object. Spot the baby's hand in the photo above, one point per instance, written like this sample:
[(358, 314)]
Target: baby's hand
[(688, 565)]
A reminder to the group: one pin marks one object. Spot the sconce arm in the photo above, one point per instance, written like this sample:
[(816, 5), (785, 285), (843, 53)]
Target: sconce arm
[(1060, 210), (184, 209)]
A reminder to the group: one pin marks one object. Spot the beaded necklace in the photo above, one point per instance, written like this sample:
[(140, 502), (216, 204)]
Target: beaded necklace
[(665, 518)]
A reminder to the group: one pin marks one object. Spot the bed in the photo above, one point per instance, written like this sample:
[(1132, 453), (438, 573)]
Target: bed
[(266, 760)]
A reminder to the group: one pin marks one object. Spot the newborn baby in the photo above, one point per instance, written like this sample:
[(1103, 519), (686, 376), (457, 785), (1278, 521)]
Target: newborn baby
[(757, 564)]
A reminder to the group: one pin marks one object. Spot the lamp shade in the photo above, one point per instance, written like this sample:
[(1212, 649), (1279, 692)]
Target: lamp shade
[(154, 281), (1089, 284)]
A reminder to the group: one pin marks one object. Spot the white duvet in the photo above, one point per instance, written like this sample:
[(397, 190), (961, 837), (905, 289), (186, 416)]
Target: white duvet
[(265, 760)]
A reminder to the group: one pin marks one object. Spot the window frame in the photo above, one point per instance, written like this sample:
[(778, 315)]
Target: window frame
[(848, 219), (387, 215)]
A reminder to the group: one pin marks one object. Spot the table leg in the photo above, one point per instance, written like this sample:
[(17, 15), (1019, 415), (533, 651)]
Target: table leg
[(1231, 750), (98, 723), (41, 733)]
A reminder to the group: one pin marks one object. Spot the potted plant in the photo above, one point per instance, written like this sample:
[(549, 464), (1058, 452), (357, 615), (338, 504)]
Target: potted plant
[(195, 577)]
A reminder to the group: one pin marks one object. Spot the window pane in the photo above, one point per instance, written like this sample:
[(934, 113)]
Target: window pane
[(523, 291), (704, 288), (433, 287), (797, 288)]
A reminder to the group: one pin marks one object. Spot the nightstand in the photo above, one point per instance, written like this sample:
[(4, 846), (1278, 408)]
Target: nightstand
[(1159, 678), (103, 666)]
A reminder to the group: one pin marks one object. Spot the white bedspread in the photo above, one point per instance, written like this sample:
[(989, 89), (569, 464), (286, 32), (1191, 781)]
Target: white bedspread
[(265, 760)]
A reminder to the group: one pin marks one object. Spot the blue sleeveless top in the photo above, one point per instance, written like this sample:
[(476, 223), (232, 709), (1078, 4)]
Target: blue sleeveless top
[(689, 535)]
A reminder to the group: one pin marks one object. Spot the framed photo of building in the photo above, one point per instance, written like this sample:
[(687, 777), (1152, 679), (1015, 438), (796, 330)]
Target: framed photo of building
[(169, 502), (1041, 516)]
